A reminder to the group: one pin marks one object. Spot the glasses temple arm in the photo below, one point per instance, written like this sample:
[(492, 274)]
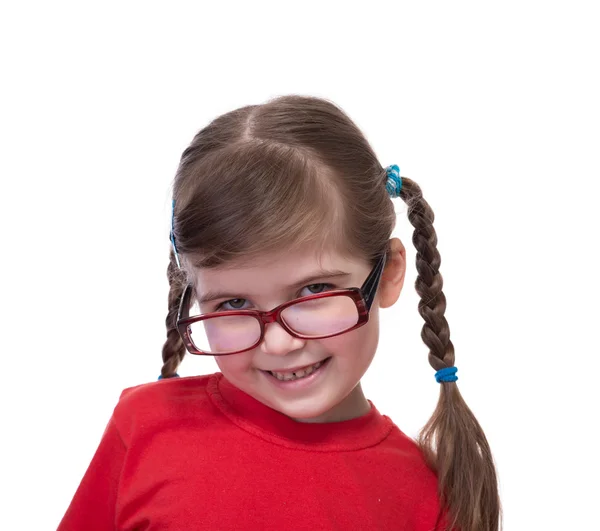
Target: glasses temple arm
[(372, 283), (184, 305)]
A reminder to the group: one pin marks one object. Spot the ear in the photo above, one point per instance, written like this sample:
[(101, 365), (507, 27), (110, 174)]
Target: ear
[(392, 278)]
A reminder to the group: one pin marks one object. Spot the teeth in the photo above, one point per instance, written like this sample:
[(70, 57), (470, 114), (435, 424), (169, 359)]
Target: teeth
[(288, 376)]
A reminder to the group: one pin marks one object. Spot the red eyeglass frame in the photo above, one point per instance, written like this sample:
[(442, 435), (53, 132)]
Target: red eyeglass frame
[(363, 298)]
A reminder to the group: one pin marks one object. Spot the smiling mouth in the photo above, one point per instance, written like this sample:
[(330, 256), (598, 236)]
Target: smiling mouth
[(298, 370)]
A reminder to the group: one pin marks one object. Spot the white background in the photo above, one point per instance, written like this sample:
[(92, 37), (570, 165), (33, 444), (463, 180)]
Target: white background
[(492, 108)]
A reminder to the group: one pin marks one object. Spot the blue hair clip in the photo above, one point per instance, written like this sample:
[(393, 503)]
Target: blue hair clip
[(447, 374), (172, 235), (394, 181)]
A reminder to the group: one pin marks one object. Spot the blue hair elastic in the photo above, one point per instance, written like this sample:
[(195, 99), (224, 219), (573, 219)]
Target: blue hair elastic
[(394, 181), (447, 374), (172, 236), (174, 376)]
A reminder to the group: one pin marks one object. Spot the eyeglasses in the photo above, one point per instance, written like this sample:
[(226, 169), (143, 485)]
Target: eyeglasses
[(316, 316)]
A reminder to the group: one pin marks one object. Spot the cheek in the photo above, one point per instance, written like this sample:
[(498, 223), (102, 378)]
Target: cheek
[(362, 341), (233, 363)]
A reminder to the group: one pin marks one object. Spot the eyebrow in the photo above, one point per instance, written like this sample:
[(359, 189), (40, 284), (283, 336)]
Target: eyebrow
[(213, 295)]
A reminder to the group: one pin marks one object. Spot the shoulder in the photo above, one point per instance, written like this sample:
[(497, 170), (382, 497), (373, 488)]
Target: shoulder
[(408, 450), (411, 463), (161, 390), (419, 481), (143, 407), (424, 480)]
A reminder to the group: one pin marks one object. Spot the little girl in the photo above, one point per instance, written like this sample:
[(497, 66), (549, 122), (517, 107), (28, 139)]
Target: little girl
[(281, 258)]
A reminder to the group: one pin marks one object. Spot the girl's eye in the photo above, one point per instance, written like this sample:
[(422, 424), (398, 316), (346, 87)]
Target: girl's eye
[(238, 304), (232, 303), (318, 291)]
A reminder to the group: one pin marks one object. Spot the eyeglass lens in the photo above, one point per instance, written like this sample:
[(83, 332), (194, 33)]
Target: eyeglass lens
[(315, 318)]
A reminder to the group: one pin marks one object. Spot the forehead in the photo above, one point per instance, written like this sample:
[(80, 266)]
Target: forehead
[(275, 272)]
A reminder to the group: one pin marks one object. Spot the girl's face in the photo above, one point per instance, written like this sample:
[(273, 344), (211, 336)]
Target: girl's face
[(336, 394)]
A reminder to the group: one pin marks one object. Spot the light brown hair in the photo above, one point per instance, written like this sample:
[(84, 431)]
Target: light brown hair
[(296, 170)]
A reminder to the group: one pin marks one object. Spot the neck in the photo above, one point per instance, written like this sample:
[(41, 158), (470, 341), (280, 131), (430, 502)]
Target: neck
[(353, 406)]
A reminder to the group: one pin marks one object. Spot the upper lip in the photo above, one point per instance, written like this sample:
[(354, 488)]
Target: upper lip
[(295, 368)]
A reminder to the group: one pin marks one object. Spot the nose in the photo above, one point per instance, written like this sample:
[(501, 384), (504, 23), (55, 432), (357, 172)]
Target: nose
[(278, 342)]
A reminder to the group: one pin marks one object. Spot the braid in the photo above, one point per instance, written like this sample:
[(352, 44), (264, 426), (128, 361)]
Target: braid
[(462, 460), (173, 350), (435, 332)]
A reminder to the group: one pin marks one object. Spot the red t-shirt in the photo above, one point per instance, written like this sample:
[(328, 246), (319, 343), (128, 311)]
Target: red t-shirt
[(198, 453)]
